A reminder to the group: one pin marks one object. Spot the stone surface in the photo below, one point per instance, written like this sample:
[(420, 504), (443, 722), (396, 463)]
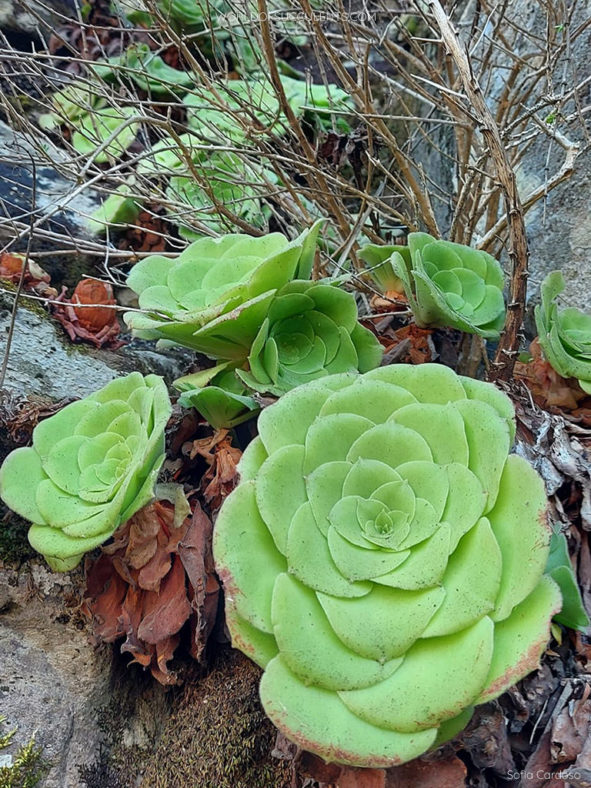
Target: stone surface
[(51, 680), (52, 189), (42, 360), (90, 713), (27, 16)]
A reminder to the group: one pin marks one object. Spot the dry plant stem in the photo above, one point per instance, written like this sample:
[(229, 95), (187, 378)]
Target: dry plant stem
[(21, 280), (293, 121), (502, 366)]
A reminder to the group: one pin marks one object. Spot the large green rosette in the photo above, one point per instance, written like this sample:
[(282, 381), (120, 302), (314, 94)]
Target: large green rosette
[(447, 284), (383, 559), (215, 295), (91, 467), (564, 334)]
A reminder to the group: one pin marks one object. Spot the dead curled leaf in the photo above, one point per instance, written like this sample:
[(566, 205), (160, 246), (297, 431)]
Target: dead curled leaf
[(35, 277), (548, 388), (149, 582), (222, 458), (89, 315)]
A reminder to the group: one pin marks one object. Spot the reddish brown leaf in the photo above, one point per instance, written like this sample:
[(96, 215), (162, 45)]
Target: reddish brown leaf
[(165, 612), (196, 556), (131, 616), (548, 388), (143, 531), (106, 592), (164, 653), (89, 315), (221, 477), (448, 773), (361, 778)]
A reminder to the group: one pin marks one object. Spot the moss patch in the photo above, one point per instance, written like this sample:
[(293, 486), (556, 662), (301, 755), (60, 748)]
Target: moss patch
[(219, 736), (14, 545)]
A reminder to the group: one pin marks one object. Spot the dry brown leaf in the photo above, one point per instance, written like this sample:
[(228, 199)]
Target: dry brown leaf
[(143, 532), (106, 590), (196, 556), (448, 773), (571, 730), (548, 388), (165, 612)]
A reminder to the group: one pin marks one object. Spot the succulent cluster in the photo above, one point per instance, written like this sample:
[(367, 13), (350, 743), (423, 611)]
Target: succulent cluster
[(91, 467), (248, 303), (383, 560), (215, 295), (564, 334), (447, 284)]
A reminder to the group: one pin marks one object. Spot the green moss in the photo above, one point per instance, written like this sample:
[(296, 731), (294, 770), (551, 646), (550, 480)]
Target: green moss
[(14, 545), (219, 736), (28, 766)]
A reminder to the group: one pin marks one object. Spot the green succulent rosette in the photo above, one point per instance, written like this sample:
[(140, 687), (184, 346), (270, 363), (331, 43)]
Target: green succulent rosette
[(91, 467), (379, 267), (311, 331), (564, 334), (214, 297), (382, 560), (447, 284)]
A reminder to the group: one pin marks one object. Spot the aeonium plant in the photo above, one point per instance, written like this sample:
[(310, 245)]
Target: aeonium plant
[(91, 467), (383, 559), (215, 295), (311, 331), (564, 334), (447, 284)]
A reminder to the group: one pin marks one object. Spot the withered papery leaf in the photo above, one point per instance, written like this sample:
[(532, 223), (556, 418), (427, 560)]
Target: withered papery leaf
[(143, 530), (165, 612), (196, 556), (105, 594), (131, 617)]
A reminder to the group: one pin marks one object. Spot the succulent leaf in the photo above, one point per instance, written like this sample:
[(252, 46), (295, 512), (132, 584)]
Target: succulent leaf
[(560, 569), (564, 334), (383, 559), (91, 467)]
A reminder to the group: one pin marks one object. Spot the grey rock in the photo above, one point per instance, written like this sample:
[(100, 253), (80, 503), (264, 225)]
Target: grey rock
[(54, 196), (27, 16), (52, 681), (82, 706), (42, 360)]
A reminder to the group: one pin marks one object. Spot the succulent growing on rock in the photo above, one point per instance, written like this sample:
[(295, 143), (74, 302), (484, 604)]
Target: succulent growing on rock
[(448, 284), (311, 331), (383, 560), (564, 334), (91, 467), (215, 295)]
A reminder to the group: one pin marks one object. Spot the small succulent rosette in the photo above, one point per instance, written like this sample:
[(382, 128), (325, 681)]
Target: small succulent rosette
[(218, 395), (383, 560), (564, 334), (379, 267), (311, 331), (91, 467), (214, 297), (447, 284)]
